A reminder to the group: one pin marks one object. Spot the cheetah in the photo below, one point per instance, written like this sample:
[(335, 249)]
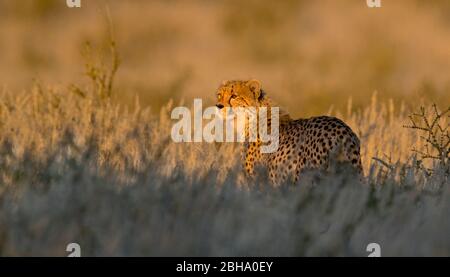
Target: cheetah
[(310, 143)]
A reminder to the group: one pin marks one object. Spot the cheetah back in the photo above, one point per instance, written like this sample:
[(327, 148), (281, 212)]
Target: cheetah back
[(312, 143)]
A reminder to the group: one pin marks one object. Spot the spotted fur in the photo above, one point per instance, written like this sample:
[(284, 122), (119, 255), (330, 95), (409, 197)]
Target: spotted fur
[(311, 143)]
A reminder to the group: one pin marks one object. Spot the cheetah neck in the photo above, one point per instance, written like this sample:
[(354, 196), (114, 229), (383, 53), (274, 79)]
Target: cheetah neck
[(251, 149), (269, 103), (266, 102)]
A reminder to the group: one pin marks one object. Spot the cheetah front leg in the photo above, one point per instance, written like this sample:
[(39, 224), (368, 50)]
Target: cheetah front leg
[(249, 166), (297, 173), (251, 155)]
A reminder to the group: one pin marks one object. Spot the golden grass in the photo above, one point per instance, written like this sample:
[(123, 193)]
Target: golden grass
[(40, 121)]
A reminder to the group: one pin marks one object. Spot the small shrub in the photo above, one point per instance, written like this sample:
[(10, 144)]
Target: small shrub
[(434, 126)]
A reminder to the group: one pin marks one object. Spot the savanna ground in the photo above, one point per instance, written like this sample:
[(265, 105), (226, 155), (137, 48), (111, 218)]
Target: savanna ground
[(86, 154)]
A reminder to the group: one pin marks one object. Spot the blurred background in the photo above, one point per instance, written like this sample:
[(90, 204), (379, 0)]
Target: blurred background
[(309, 55)]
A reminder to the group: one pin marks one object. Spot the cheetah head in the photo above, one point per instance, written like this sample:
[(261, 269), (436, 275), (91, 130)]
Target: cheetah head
[(239, 94)]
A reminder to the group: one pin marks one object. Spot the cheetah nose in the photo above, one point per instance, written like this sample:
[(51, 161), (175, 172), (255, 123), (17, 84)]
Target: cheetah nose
[(220, 106)]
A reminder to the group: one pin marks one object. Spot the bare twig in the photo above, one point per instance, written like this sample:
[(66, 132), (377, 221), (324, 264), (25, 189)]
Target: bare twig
[(436, 134)]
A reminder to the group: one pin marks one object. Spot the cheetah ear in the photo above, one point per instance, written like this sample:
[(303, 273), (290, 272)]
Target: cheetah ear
[(255, 87)]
